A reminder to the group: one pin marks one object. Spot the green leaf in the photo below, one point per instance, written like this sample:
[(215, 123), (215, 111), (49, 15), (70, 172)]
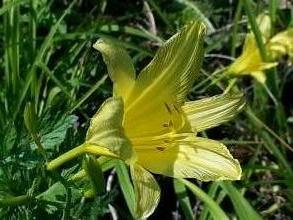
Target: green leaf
[(54, 130), (94, 172), (56, 193), (242, 207), (183, 198), (126, 186), (199, 14), (9, 138), (214, 208)]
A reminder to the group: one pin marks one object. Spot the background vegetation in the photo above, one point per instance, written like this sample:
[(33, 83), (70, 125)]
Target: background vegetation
[(53, 81)]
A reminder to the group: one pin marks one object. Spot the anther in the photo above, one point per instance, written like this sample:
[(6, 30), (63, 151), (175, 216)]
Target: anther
[(160, 148), (168, 108)]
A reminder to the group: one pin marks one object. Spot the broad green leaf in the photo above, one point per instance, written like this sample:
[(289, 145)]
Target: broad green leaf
[(147, 191), (54, 193), (106, 129), (120, 66), (184, 202), (126, 186), (54, 129), (214, 208), (94, 172), (192, 157), (242, 207), (210, 112), (165, 81)]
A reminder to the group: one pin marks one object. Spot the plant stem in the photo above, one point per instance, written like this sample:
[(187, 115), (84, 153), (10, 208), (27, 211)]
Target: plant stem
[(15, 200), (69, 155), (235, 28), (255, 29)]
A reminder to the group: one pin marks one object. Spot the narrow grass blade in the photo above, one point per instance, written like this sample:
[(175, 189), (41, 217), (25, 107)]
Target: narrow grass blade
[(200, 15), (184, 202), (89, 93), (8, 5), (212, 193), (269, 143), (214, 208), (126, 186), (242, 207), (40, 55)]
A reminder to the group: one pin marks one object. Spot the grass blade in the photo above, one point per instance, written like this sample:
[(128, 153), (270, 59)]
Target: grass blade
[(242, 207), (200, 15), (214, 208), (184, 202), (126, 186)]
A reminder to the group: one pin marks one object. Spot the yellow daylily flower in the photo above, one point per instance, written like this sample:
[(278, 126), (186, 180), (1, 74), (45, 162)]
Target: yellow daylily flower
[(250, 61), (149, 125), (282, 44)]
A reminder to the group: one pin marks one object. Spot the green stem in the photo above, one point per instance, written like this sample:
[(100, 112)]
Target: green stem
[(273, 12), (15, 200), (235, 28), (252, 21), (77, 151), (271, 75), (69, 155)]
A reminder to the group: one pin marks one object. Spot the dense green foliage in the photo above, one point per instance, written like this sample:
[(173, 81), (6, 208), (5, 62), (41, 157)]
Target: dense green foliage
[(53, 81)]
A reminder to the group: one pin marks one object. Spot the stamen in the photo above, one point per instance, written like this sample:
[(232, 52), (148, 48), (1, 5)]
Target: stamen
[(160, 148), (168, 108)]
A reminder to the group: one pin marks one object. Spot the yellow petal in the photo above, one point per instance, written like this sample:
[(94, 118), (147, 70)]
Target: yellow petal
[(249, 44), (210, 112), (165, 82), (250, 60), (264, 25), (120, 66), (106, 129), (281, 44), (259, 76), (147, 191), (192, 157)]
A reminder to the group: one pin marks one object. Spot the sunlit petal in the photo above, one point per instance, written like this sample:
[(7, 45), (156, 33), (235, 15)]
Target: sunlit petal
[(264, 25), (281, 44), (119, 65), (147, 191), (192, 157), (162, 85), (106, 129), (210, 112)]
